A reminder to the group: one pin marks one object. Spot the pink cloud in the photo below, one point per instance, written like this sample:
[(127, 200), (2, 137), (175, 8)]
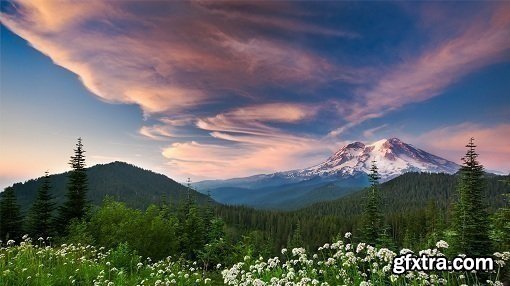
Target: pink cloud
[(247, 13), (251, 155), (165, 64), (251, 145), (253, 119), (492, 143)]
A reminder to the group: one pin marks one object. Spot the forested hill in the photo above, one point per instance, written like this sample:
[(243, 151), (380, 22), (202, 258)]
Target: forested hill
[(411, 191), (122, 181), (412, 205)]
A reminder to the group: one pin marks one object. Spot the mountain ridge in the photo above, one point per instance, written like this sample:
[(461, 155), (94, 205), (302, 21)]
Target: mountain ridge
[(345, 169)]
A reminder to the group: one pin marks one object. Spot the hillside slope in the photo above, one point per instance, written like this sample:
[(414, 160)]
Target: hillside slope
[(124, 182)]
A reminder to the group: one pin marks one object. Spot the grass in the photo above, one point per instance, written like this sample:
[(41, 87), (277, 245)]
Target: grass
[(340, 263)]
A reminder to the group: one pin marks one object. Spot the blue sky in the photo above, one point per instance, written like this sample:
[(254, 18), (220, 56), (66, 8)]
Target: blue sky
[(227, 89)]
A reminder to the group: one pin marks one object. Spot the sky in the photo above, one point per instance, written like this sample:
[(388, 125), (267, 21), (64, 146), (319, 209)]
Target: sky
[(222, 89)]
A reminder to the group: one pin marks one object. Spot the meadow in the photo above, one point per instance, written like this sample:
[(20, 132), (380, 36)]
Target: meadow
[(339, 263)]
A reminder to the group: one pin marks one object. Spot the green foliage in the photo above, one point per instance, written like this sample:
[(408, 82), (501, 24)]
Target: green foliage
[(76, 205), (295, 239), (192, 232), (74, 264), (78, 233), (122, 257), (40, 220), (148, 233), (10, 216), (471, 220), (500, 232)]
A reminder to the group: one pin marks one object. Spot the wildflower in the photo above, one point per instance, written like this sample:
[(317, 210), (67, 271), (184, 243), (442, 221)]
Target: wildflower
[(404, 251), (298, 251), (284, 250), (348, 235), (442, 244)]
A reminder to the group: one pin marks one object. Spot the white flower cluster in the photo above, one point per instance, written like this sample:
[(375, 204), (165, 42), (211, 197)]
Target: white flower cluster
[(343, 263)]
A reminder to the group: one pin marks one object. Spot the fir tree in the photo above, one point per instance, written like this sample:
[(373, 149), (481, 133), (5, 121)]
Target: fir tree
[(295, 240), (471, 219), (10, 216), (76, 205), (193, 233), (371, 223), (208, 213), (40, 215)]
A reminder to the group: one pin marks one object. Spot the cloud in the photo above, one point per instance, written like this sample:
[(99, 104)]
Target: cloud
[(369, 133), (269, 15), (253, 119), (249, 143), (167, 64), (491, 142), (484, 41), (250, 156)]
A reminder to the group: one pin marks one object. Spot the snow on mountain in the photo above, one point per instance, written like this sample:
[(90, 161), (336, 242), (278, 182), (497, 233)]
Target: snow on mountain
[(393, 158)]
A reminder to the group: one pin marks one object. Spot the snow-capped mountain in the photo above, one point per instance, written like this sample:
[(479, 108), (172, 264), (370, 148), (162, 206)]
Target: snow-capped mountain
[(345, 171), (392, 157)]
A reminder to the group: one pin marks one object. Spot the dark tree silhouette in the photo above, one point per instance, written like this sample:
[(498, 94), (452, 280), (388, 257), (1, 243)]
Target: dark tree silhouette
[(10, 216), (39, 222)]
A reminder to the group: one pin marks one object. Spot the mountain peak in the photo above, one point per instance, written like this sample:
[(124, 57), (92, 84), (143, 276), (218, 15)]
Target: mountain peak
[(395, 140), (355, 145), (393, 157)]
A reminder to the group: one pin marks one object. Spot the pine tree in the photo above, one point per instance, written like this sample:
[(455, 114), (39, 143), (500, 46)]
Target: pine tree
[(208, 216), (296, 240), (40, 215), (471, 219), (76, 206), (10, 216), (371, 222), (193, 233)]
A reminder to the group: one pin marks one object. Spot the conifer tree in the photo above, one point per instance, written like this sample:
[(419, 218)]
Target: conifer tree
[(295, 239), (471, 219), (40, 215), (208, 213), (10, 216), (193, 233), (76, 206), (371, 222)]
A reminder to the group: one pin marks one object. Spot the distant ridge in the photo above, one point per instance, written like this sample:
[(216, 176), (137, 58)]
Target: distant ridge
[(342, 173), (122, 181)]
